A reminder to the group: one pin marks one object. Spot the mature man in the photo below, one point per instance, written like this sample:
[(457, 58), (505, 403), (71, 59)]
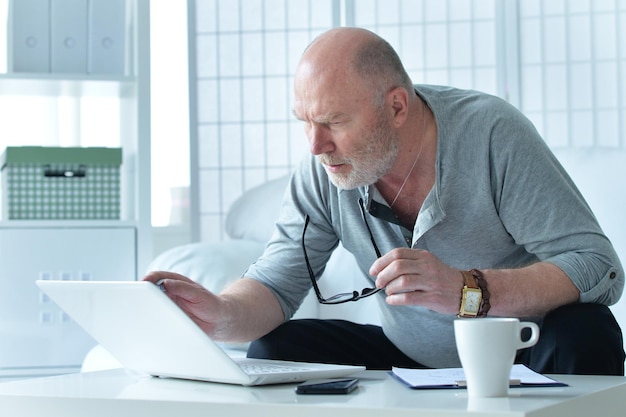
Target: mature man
[(452, 205)]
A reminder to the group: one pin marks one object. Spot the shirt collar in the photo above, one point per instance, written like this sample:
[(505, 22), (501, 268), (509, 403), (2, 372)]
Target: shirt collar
[(376, 205)]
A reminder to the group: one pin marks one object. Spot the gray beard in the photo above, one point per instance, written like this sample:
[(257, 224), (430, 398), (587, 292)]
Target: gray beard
[(370, 162)]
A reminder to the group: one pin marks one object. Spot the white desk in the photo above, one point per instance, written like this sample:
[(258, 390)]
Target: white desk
[(120, 393)]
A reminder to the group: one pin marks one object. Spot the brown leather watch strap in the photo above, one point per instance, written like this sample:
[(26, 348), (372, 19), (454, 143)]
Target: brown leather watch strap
[(470, 281), (482, 284)]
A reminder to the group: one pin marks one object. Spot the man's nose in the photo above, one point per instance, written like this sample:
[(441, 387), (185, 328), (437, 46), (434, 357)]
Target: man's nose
[(320, 140)]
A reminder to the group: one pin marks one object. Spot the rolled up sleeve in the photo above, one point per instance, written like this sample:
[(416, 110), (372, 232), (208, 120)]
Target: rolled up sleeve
[(599, 278)]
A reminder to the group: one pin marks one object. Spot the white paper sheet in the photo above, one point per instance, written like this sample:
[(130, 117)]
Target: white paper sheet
[(455, 377)]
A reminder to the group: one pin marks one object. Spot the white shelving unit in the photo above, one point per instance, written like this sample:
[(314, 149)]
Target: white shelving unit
[(133, 93), (76, 249)]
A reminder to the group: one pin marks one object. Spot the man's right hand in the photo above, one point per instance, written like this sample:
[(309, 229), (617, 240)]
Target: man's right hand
[(201, 305), (244, 311)]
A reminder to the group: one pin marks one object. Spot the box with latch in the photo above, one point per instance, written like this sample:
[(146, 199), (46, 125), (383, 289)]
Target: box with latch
[(61, 183)]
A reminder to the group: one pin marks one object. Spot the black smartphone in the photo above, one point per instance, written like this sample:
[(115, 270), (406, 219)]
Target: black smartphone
[(328, 386)]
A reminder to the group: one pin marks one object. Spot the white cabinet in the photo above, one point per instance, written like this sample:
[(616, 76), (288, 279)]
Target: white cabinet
[(36, 337)]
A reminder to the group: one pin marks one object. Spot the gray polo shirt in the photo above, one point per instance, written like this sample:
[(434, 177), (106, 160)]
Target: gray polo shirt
[(500, 200)]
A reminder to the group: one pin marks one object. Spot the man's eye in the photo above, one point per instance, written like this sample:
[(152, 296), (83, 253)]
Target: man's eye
[(336, 124)]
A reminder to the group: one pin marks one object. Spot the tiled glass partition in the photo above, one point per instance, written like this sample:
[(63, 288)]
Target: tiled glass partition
[(246, 134), (562, 62), (573, 70), (449, 42)]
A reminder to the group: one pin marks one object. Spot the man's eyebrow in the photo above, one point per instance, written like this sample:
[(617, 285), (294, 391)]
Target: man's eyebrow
[(322, 119)]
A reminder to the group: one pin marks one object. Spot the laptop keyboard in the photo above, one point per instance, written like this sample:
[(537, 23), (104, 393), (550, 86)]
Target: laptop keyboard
[(266, 368)]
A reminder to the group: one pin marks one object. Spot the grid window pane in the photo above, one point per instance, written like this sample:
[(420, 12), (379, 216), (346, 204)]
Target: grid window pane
[(555, 91), (275, 14), (206, 55), (365, 13), (208, 96), (275, 54), (578, 6), (606, 81), (229, 14), (484, 36), (484, 9), (605, 37), (252, 47), (254, 93), (229, 62), (607, 128), (251, 15), (531, 47), (461, 10), (553, 7), (254, 144), (582, 128), (388, 12), (296, 18), (436, 11), (436, 46), (554, 39), (208, 146), (461, 48), (580, 86), (276, 100), (244, 70), (205, 16), (230, 146), (321, 13), (591, 56), (230, 100), (579, 37)]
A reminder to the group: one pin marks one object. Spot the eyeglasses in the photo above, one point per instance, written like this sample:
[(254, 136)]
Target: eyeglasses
[(345, 296)]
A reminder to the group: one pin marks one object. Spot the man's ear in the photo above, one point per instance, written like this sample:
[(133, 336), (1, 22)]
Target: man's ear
[(398, 99)]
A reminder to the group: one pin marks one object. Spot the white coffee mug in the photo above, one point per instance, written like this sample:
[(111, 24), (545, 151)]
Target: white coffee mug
[(487, 348)]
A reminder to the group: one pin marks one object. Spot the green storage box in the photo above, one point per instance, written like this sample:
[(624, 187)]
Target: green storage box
[(58, 183)]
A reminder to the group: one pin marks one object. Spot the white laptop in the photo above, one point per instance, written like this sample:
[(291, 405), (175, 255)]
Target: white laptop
[(146, 331)]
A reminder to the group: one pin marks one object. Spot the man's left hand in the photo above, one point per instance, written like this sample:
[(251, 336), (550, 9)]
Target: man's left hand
[(417, 277)]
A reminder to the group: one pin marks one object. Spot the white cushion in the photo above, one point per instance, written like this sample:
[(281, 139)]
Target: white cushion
[(212, 264), (253, 215)]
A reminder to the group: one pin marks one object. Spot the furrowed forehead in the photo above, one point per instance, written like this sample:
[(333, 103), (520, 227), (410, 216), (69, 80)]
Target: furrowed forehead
[(301, 113), (325, 97)]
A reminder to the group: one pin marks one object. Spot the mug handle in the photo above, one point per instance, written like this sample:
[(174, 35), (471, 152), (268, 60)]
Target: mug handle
[(534, 334)]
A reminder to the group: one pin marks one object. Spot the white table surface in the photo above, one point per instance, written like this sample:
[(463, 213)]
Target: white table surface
[(122, 393)]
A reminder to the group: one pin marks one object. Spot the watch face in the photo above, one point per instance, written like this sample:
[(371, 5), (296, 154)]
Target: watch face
[(472, 301)]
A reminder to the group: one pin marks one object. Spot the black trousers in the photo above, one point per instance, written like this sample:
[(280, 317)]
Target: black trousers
[(580, 339)]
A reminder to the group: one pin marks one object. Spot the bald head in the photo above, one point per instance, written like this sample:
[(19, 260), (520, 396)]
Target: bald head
[(358, 106), (354, 56)]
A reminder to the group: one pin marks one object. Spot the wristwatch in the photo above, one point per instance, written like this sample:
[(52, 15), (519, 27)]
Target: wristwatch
[(474, 297)]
